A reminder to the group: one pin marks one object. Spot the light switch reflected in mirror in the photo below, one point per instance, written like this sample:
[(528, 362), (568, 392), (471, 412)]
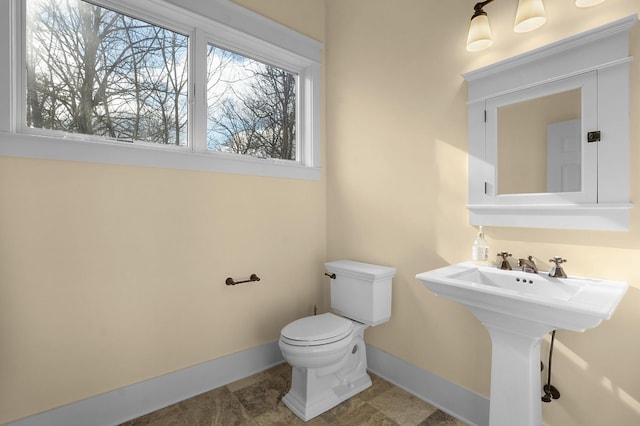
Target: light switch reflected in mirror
[(539, 145)]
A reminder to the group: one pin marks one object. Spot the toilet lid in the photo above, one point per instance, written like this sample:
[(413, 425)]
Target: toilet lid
[(317, 329)]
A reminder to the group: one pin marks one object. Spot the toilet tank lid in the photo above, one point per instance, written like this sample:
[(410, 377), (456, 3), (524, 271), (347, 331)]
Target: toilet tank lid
[(361, 270)]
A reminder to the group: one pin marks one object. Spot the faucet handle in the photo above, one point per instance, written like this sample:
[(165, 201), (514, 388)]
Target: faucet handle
[(557, 271), (504, 255), (504, 264), (557, 260)]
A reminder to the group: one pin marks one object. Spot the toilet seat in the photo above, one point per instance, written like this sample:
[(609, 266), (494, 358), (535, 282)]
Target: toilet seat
[(316, 330)]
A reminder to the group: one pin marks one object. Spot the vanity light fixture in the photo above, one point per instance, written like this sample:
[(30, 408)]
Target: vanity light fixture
[(479, 37), (530, 15)]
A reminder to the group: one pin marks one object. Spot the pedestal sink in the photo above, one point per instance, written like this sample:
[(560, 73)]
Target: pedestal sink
[(519, 309)]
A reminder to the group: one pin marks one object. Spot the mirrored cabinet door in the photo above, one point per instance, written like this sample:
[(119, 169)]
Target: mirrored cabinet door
[(537, 140)]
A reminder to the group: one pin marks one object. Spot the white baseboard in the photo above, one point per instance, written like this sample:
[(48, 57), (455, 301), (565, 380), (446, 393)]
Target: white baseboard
[(453, 399), (132, 401)]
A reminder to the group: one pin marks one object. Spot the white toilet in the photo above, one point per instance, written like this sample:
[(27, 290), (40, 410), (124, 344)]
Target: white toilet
[(327, 352)]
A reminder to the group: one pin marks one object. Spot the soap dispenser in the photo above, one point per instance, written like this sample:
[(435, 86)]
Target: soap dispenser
[(480, 249)]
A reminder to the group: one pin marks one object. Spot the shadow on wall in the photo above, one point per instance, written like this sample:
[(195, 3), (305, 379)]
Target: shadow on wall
[(580, 361)]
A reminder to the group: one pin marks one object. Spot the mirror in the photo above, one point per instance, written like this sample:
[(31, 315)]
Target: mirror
[(539, 145), (549, 135)]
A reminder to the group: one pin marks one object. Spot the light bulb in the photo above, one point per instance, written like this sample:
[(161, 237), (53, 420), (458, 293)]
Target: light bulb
[(479, 37), (529, 16)]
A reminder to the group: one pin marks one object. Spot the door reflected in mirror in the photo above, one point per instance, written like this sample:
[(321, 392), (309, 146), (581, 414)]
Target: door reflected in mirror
[(539, 145)]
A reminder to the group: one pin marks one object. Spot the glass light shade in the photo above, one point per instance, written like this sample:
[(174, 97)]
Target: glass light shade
[(588, 3), (479, 34), (529, 16)]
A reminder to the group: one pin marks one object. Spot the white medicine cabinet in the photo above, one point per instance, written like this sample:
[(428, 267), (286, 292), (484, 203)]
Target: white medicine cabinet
[(549, 135)]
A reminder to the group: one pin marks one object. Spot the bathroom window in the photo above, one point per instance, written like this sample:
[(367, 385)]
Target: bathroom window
[(96, 72), (149, 83), (251, 106)]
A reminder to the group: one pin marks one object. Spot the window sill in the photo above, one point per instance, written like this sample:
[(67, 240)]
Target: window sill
[(53, 148)]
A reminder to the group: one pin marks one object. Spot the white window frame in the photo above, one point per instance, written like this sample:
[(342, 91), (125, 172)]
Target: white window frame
[(251, 35)]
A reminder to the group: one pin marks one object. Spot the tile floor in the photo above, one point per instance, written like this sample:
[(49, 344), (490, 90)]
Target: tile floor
[(255, 401)]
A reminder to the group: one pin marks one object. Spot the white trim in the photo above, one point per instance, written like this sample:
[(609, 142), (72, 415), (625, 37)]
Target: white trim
[(32, 146), (232, 27), (466, 405), (246, 21), (132, 401), (598, 217), (554, 79), (621, 26)]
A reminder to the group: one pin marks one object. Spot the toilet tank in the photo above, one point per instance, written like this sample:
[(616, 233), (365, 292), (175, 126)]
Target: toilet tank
[(361, 291)]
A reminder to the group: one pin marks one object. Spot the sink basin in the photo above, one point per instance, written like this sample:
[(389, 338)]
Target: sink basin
[(519, 309), (572, 303)]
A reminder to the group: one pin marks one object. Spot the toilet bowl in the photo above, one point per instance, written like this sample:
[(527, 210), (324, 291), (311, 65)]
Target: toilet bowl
[(327, 352), (326, 369), (316, 341)]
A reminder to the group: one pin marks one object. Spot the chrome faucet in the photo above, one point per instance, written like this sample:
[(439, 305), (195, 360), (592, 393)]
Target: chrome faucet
[(557, 271), (504, 263), (528, 265)]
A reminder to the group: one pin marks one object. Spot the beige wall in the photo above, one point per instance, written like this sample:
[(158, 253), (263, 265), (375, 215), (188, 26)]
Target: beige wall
[(397, 189), (110, 275)]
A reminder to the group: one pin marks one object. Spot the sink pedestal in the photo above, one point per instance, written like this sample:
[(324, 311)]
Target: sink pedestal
[(519, 309), (515, 369)]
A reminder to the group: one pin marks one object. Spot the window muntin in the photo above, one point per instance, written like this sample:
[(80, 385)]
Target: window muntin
[(94, 71), (251, 106)]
